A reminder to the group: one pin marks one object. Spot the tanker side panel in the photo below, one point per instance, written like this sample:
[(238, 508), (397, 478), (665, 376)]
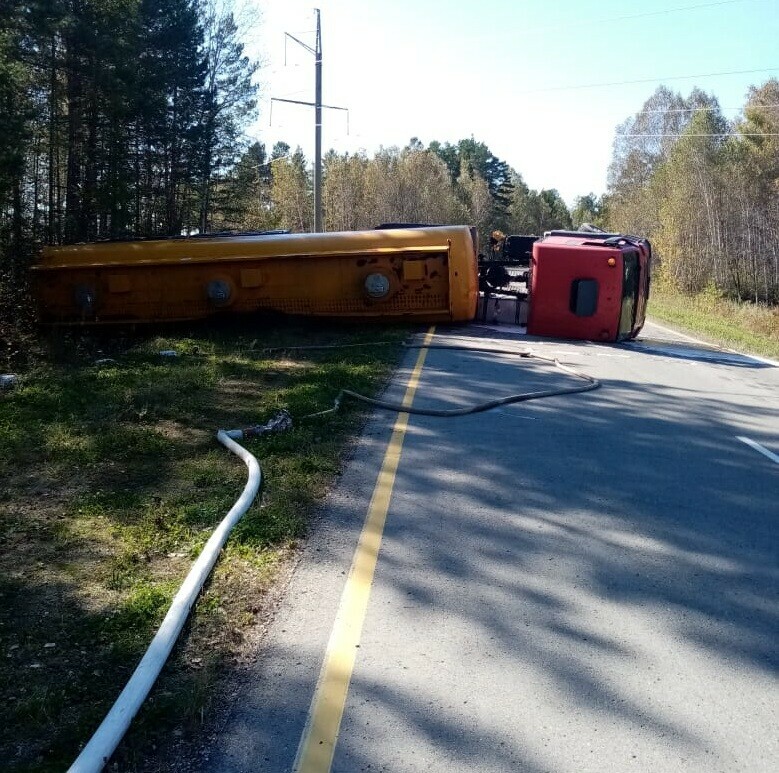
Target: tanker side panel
[(575, 291), (430, 278)]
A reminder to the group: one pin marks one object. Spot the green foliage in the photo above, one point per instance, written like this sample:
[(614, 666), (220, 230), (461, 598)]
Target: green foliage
[(112, 481), (472, 160), (745, 327), (228, 97), (409, 185), (292, 192), (704, 191), (14, 104), (588, 209), (242, 200), (533, 212), (117, 116), (344, 192)]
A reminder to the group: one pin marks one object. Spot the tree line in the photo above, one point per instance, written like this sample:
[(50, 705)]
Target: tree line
[(117, 117), (704, 189), (442, 183)]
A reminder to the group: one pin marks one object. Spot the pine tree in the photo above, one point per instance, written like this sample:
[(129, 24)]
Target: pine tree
[(228, 99), (242, 199), (15, 115)]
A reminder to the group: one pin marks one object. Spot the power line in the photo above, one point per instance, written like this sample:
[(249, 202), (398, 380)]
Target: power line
[(664, 12), (606, 19), (648, 80), (684, 134), (706, 109), (290, 94)]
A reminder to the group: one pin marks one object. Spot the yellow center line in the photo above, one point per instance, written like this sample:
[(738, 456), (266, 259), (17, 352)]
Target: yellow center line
[(317, 746)]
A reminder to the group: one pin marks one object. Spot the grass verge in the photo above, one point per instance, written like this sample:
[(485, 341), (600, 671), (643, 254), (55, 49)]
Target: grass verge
[(111, 481), (747, 327)]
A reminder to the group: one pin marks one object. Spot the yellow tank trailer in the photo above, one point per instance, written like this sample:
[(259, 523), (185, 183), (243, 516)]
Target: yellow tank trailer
[(425, 274)]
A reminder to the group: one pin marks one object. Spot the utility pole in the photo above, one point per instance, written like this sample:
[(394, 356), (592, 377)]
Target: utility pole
[(317, 105), (318, 128)]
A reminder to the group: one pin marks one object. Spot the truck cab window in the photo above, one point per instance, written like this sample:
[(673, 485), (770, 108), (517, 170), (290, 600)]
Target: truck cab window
[(584, 297)]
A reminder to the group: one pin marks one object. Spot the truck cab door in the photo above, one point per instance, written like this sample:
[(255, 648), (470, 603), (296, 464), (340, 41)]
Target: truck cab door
[(630, 287)]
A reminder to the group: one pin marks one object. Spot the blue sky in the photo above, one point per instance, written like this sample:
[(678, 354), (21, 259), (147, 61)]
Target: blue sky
[(501, 71)]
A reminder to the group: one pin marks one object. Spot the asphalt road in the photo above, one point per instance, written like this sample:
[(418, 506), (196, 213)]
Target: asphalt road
[(583, 583)]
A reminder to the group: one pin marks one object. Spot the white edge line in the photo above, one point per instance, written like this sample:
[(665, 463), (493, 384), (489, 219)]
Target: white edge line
[(677, 333), (757, 357), (752, 444)]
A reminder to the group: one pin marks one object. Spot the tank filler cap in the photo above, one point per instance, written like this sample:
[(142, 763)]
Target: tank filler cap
[(377, 285), (84, 298), (218, 292)]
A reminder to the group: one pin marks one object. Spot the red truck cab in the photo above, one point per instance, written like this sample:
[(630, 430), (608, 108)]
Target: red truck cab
[(592, 286)]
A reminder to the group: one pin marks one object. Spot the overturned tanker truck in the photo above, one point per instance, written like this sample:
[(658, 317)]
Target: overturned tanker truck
[(576, 285), (570, 284)]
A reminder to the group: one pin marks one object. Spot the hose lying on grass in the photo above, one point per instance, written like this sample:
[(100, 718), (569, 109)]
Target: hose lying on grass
[(103, 743)]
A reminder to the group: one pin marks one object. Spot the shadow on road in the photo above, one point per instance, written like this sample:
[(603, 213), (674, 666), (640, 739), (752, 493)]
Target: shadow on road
[(601, 545)]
